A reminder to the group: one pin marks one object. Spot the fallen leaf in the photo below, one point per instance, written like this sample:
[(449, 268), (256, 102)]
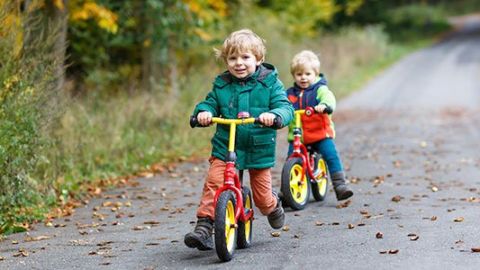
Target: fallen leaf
[(397, 198), (21, 252), (104, 243), (319, 223), (475, 249), (2, 258), (140, 228), (433, 218), (379, 235), (414, 238), (275, 234), (38, 238), (344, 204), (151, 222), (393, 251), (351, 226), (458, 219), (397, 163)]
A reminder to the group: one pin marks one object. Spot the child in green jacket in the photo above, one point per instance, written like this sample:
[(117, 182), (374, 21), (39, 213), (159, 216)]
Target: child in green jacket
[(248, 85)]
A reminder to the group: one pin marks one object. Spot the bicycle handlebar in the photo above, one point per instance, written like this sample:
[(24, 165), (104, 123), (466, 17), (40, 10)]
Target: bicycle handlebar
[(277, 122), (311, 110)]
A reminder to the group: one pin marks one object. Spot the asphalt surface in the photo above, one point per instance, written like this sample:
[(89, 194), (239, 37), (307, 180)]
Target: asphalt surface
[(409, 142)]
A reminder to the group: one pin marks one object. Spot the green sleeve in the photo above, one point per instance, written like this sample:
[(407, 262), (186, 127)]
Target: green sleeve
[(279, 103), (210, 104), (325, 96)]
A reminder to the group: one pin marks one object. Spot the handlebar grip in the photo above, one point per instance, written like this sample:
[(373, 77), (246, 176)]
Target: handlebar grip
[(194, 122), (277, 122), (311, 110), (328, 110)]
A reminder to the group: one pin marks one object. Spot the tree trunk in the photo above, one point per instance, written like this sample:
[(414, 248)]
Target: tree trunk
[(40, 25)]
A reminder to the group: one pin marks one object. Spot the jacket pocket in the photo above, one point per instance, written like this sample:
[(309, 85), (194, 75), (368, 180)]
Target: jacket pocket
[(220, 143), (261, 151)]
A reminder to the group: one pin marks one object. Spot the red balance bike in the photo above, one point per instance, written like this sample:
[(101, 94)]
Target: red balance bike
[(305, 171), (233, 201)]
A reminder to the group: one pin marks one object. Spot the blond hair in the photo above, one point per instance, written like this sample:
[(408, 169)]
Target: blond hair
[(303, 60), (244, 40)]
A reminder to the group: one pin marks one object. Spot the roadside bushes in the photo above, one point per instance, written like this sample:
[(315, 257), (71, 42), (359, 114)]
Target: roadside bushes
[(415, 21), (26, 109)]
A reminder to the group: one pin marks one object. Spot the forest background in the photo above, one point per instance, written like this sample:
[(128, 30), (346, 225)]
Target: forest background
[(95, 92)]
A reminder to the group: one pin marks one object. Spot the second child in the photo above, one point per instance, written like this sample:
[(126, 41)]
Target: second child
[(310, 90)]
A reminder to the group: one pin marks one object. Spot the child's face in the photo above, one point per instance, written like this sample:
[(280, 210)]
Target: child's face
[(242, 64), (305, 77)]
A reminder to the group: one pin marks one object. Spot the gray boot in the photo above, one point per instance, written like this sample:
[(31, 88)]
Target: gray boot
[(276, 218), (201, 237), (342, 191)]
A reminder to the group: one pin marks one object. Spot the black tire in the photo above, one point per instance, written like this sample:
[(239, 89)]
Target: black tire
[(320, 187), (294, 194), (244, 235), (225, 239)]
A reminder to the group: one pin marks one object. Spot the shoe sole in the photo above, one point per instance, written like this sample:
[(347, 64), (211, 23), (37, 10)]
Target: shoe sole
[(346, 195), (193, 242)]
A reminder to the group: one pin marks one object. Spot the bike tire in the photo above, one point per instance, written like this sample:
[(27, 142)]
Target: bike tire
[(295, 194), (244, 235), (225, 228), (320, 185)]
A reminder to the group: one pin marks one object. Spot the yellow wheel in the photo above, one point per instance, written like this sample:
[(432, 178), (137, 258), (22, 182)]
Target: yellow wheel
[(225, 227), (244, 239), (295, 189), (319, 188)]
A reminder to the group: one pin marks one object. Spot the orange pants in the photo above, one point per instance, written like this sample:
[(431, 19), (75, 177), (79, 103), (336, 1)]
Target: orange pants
[(260, 182)]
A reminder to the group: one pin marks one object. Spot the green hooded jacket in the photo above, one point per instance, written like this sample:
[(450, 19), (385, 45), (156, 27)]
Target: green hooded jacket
[(260, 92)]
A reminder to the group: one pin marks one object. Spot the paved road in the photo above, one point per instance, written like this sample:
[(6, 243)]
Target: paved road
[(409, 141)]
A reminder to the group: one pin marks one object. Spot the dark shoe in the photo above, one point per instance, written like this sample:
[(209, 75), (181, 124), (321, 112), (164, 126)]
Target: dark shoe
[(342, 191), (276, 218), (201, 237)]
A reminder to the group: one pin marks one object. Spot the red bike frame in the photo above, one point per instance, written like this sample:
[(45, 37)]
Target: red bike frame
[(299, 149), (231, 179)]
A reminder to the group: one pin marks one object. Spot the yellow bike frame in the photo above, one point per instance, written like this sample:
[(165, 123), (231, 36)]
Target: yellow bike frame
[(233, 127)]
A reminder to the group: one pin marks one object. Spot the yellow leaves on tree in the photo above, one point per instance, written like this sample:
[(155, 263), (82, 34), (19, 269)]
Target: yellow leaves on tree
[(105, 18), (303, 15), (208, 11), (353, 6)]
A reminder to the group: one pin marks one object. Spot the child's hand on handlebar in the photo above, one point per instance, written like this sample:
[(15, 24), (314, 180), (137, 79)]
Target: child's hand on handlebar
[(267, 119), (320, 108), (204, 118)]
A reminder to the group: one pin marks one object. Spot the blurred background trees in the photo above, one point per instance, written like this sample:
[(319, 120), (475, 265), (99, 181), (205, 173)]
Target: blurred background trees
[(96, 89)]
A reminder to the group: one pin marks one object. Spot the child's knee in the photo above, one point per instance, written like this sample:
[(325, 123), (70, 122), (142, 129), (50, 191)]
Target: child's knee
[(266, 204)]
